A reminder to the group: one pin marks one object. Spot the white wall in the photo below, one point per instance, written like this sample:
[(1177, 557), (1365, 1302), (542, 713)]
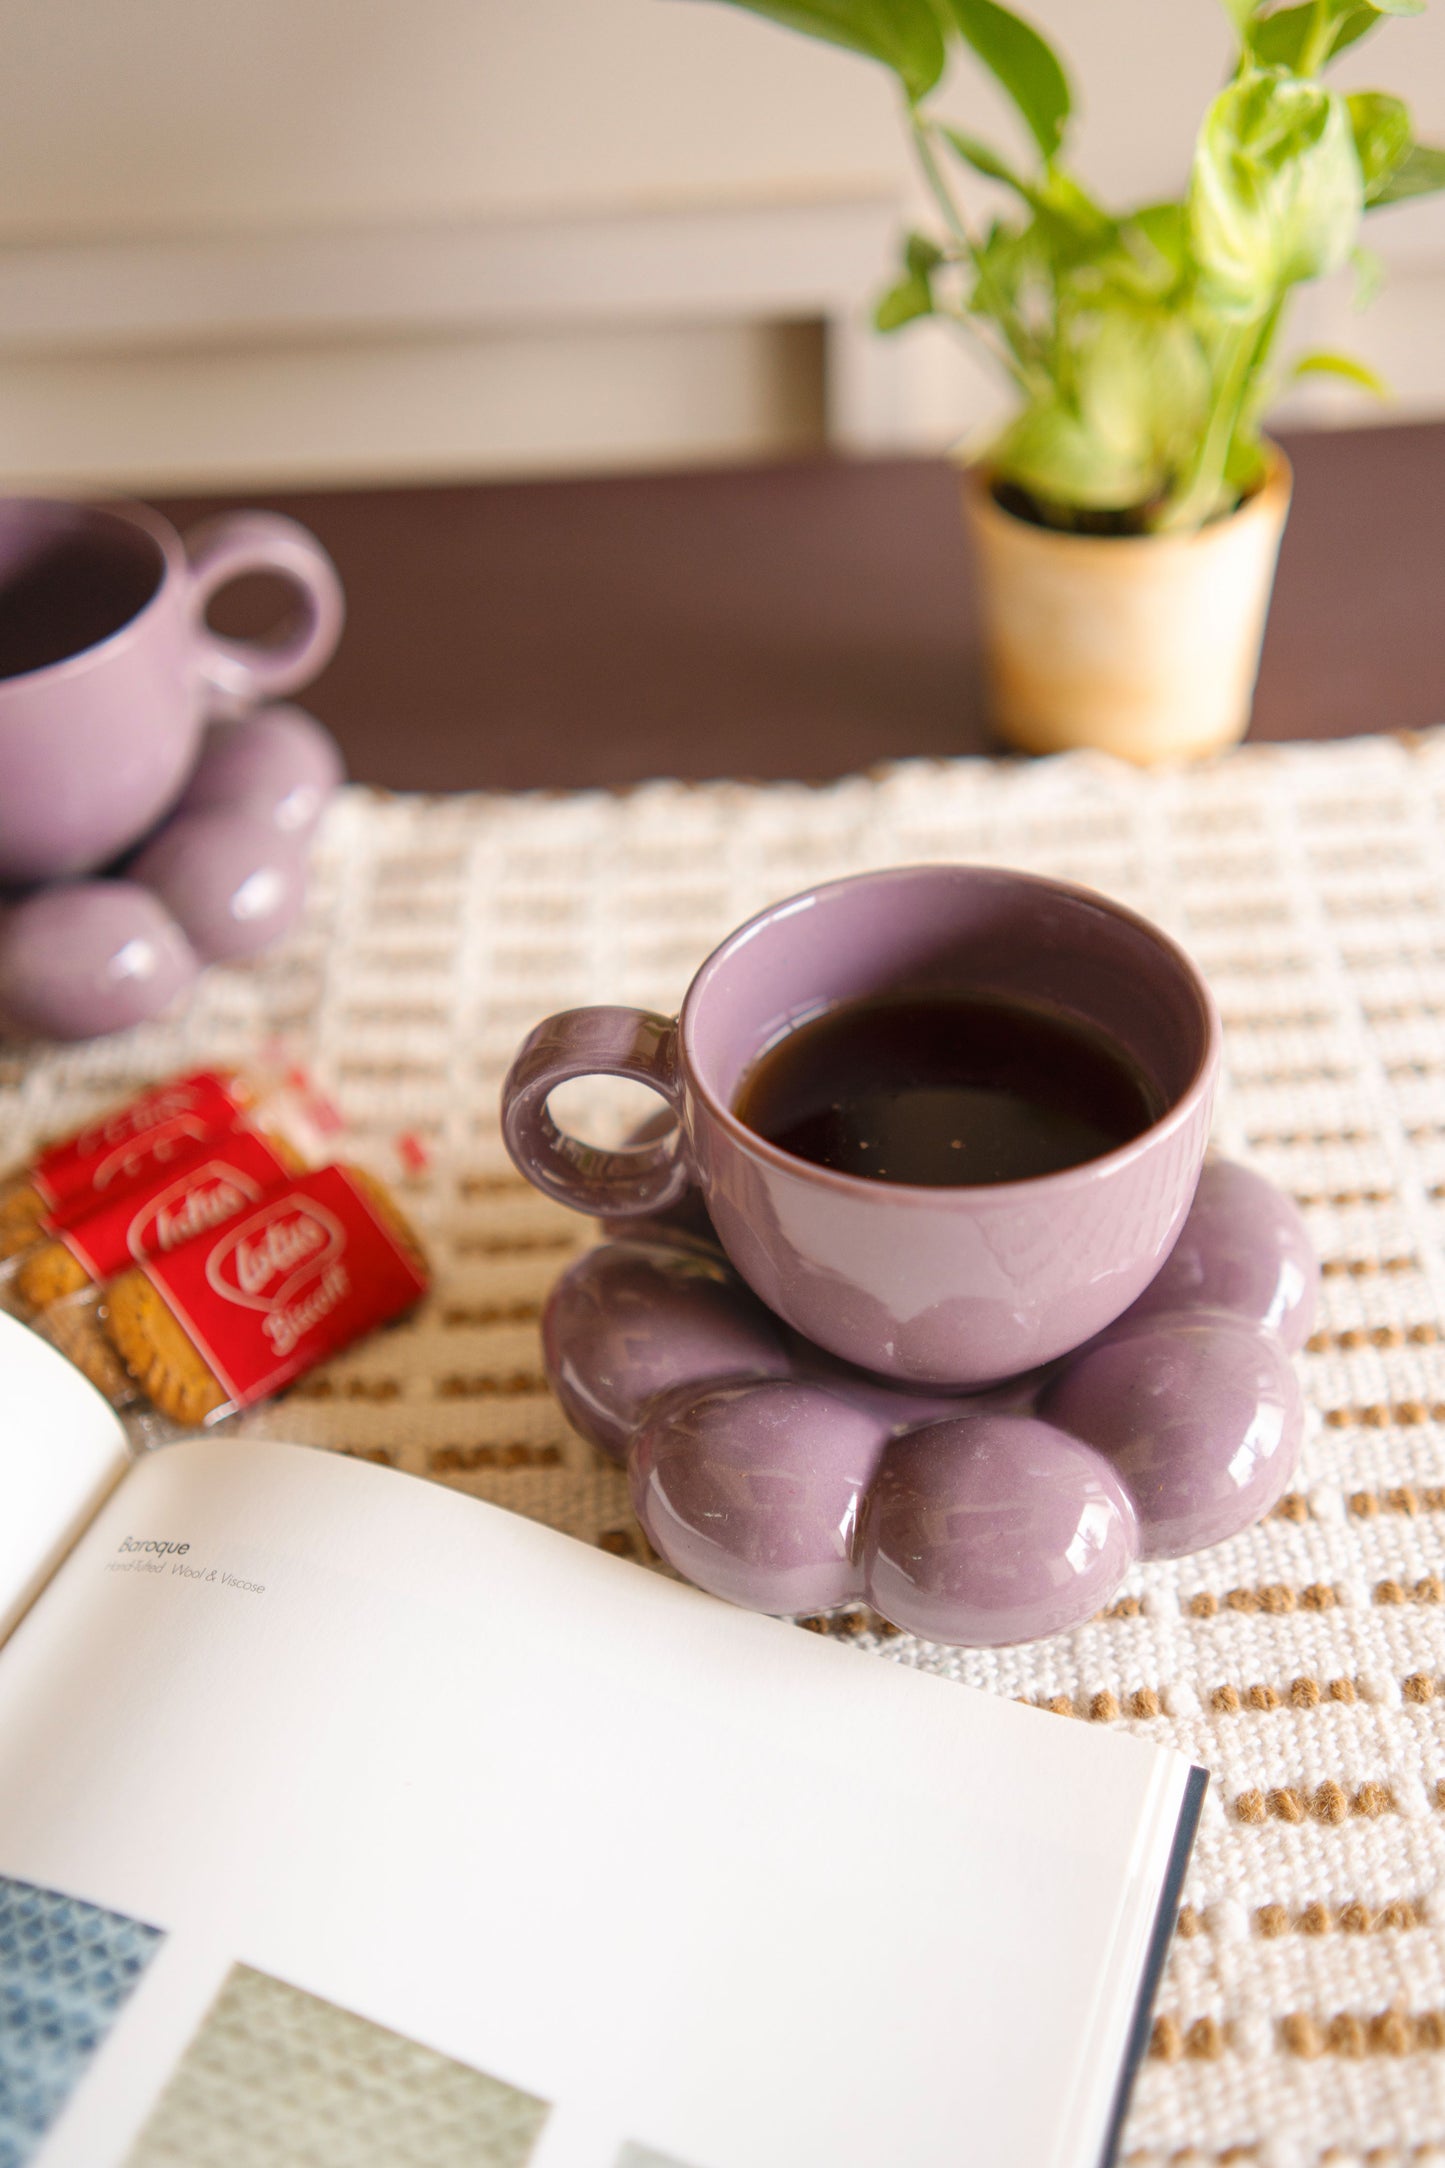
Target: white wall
[(280, 238)]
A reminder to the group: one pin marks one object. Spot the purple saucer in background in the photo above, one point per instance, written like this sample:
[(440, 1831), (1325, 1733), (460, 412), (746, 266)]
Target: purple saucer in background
[(770, 1473), (220, 878)]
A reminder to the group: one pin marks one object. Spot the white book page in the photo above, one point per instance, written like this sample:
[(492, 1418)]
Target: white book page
[(61, 1450), (623, 1848)]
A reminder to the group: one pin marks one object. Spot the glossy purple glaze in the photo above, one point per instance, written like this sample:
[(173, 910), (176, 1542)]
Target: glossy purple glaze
[(89, 957), (637, 1181), (894, 1402), (753, 1491), (940, 1286), (95, 744), (662, 1307), (1199, 1412), (1244, 1248), (992, 1529), (279, 765), (234, 883), (635, 1319), (1194, 1412), (889, 1399)]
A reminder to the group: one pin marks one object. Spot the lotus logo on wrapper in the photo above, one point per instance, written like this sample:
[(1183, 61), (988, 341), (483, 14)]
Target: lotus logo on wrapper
[(154, 1111), (161, 1142), (262, 1262), (313, 1264), (127, 1145), (204, 1197)]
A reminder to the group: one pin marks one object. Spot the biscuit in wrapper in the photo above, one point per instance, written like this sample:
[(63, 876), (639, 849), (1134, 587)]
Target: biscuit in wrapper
[(48, 1273), (22, 1218), (75, 1328), (156, 1353), (220, 1181), (242, 1311), (71, 1174)]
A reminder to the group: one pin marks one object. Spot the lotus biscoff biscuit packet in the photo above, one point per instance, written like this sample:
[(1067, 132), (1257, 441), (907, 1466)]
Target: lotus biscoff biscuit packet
[(238, 1312), (177, 1198), (73, 1175)]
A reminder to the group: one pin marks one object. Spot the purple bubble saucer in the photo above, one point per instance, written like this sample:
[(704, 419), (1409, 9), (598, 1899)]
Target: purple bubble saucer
[(770, 1473), (220, 878)]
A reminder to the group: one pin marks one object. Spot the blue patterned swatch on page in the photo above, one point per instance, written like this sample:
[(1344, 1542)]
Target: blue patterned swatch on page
[(66, 1971)]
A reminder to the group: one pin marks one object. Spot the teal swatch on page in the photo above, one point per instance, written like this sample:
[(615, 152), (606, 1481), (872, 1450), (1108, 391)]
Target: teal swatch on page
[(67, 1969)]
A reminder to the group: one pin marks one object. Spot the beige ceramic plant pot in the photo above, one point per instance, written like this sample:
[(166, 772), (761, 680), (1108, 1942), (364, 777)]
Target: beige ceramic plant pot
[(1146, 646)]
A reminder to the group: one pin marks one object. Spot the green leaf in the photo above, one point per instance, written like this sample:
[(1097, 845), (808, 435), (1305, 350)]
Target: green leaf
[(912, 297), (1059, 196), (1013, 261), (1051, 451), (1276, 192), (1343, 365), (1140, 400), (1281, 40), (1164, 227), (1420, 173), (1401, 7), (1022, 63), (1382, 132), (1074, 233), (1068, 217), (1239, 13), (905, 35), (1245, 465), (984, 161), (903, 304)]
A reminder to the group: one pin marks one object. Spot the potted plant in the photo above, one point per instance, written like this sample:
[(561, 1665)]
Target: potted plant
[(1127, 518)]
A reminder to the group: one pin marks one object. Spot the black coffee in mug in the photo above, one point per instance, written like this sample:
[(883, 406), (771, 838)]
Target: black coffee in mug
[(946, 1089), (70, 591)]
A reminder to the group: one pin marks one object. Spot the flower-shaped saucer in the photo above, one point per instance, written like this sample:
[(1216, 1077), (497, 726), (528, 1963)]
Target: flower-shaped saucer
[(768, 1472), (220, 877)]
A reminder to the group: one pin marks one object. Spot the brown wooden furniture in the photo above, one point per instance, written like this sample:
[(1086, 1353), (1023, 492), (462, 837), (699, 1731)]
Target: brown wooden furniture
[(803, 620)]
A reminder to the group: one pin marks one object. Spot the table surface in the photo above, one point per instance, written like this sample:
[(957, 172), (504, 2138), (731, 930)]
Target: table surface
[(816, 619), (802, 620), (1302, 1662)]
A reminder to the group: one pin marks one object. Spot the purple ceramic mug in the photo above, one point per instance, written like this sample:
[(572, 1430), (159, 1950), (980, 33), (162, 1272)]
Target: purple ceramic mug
[(954, 1286), (108, 668)]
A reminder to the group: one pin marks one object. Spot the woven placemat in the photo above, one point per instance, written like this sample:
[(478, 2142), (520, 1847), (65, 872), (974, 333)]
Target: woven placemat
[(1302, 2017)]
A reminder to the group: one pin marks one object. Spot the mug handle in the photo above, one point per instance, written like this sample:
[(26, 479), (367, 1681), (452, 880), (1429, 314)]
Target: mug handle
[(239, 673), (621, 1184)]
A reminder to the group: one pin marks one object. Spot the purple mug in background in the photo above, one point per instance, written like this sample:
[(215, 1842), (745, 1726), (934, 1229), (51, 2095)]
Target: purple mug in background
[(952, 1286), (108, 668)]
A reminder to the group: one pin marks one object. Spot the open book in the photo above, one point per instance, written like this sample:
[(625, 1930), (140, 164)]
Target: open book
[(346, 1818)]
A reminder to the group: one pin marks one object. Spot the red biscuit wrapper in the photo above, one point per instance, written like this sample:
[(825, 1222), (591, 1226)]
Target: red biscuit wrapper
[(126, 1144), (241, 1311), (156, 1130), (214, 1182)]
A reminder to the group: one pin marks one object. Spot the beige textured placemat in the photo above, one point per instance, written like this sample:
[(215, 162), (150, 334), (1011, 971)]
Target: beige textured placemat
[(1302, 2017)]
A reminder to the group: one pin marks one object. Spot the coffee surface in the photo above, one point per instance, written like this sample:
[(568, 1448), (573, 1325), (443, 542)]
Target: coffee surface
[(71, 593), (946, 1090)]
